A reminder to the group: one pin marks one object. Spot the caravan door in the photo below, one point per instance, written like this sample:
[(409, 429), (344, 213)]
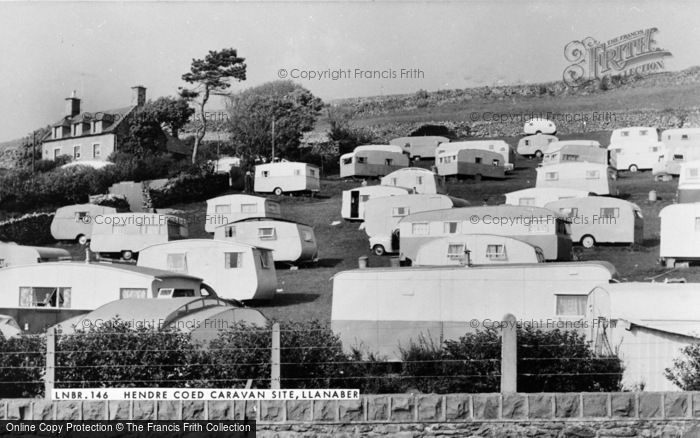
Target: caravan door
[(355, 204)]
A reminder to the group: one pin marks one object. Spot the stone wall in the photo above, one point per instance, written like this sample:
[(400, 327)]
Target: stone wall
[(642, 414)]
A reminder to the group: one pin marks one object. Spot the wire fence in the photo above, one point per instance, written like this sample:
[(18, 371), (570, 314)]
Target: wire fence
[(300, 355)]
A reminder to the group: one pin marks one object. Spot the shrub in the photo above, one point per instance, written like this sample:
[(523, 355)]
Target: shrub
[(189, 187), (22, 361), (30, 229), (116, 201), (685, 371)]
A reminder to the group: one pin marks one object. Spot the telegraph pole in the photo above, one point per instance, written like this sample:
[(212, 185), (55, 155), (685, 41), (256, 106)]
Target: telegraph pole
[(273, 140), (33, 149)]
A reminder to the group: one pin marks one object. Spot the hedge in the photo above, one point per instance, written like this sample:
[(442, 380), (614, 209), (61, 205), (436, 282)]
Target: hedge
[(189, 188), (30, 229)]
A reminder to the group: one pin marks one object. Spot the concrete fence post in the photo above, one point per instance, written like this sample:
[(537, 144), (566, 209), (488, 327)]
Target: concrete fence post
[(509, 354), (50, 377), (275, 357)]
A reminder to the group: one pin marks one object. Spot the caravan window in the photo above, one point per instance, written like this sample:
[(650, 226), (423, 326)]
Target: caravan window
[(177, 262), (419, 180), (684, 137), (477, 160), (569, 157), (364, 198), (420, 229), (232, 260), (643, 132), (308, 236), (592, 174), (297, 172), (82, 216), (265, 259), (654, 149), (526, 201), (249, 208), (490, 147), (130, 292), (456, 250), (388, 161), (697, 224), (222, 209), (2, 263), (347, 160), (267, 233), (571, 305), (265, 173), (496, 163), (312, 172), (624, 134), (527, 142), (551, 176), (362, 160), (496, 252), (400, 211), (230, 231), (450, 227), (538, 226), (175, 293), (678, 157), (609, 212), (569, 211), (44, 297)]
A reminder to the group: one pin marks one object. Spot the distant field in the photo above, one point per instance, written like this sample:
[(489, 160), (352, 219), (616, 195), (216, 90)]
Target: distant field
[(307, 291)]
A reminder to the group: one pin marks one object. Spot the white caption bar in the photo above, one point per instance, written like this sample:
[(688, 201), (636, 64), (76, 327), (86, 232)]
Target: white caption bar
[(203, 394)]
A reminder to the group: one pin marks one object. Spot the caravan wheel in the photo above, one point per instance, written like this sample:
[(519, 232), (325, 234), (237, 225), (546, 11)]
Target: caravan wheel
[(278, 191), (82, 239), (127, 255), (378, 250), (538, 154), (634, 168), (588, 241)]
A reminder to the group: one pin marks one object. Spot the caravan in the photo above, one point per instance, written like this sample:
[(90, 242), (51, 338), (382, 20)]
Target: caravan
[(235, 270), (125, 234), (634, 157), (383, 309), (12, 254), (539, 125), (600, 219), (574, 150), (477, 249), (354, 200), (591, 177), (539, 197), (230, 208), (382, 217), (535, 145), (680, 233), (74, 222), (458, 162), (416, 178), (419, 147), (646, 325), (639, 136), (681, 145), (372, 161), (285, 177), (290, 242), (500, 147), (689, 182), (43, 294), (537, 226)]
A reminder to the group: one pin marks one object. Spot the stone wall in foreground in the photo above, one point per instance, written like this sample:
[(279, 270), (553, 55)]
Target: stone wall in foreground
[(641, 414)]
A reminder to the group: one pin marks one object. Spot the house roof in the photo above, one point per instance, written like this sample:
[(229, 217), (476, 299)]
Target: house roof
[(118, 115)]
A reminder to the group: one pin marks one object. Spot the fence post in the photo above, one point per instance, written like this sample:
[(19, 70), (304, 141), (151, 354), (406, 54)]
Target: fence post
[(275, 359), (50, 378), (509, 354)]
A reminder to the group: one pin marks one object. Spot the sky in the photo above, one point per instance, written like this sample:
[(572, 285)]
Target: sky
[(101, 49)]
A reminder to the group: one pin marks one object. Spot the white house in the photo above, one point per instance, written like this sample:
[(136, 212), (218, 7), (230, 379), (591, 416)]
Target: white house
[(477, 249), (416, 178), (381, 309), (286, 177), (234, 270), (230, 208), (590, 177)]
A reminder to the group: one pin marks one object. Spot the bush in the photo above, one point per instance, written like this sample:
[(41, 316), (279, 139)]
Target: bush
[(131, 167), (30, 229), (22, 361), (685, 371), (115, 201), (189, 187)]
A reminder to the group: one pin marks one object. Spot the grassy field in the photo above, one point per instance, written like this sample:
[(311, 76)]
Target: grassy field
[(307, 291)]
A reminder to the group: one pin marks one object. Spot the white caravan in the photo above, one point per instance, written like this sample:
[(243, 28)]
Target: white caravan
[(290, 241), (689, 182), (286, 177), (574, 150), (372, 161), (354, 200), (646, 325), (74, 222), (591, 177), (498, 146), (419, 147), (416, 178), (635, 135), (43, 294), (12, 254), (230, 208), (633, 157), (680, 233), (477, 249), (539, 197), (125, 234), (381, 309), (539, 125), (535, 145), (382, 217)]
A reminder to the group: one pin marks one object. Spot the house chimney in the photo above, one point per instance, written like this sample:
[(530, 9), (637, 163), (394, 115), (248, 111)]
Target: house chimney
[(72, 105), (138, 95)]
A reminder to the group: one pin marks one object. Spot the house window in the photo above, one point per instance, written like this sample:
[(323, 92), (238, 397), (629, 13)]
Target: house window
[(526, 201), (45, 297), (265, 173), (96, 150), (571, 305), (477, 160), (232, 260), (496, 252), (389, 161), (308, 236), (551, 176), (362, 160), (456, 250), (420, 229), (450, 227), (400, 211), (56, 153), (230, 231), (222, 209), (264, 257), (249, 208), (177, 262), (267, 233), (592, 174), (76, 152), (609, 212), (347, 160)]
